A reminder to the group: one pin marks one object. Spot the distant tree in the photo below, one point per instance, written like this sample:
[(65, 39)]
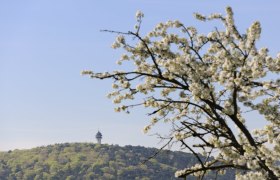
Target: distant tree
[(70, 177), (204, 85)]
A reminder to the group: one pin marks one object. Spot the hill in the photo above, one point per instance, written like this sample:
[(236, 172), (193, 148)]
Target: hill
[(74, 161)]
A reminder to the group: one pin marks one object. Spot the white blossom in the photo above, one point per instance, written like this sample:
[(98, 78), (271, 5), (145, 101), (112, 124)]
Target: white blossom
[(139, 15), (203, 85)]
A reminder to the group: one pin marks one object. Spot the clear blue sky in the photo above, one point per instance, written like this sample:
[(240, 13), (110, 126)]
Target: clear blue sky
[(45, 44)]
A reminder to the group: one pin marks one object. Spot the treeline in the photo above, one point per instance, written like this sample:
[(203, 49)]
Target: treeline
[(87, 161)]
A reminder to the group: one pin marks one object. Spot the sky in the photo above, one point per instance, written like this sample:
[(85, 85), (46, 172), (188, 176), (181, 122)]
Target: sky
[(44, 45)]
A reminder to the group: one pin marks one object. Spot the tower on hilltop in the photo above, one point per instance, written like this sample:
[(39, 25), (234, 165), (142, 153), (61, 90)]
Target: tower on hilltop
[(98, 137)]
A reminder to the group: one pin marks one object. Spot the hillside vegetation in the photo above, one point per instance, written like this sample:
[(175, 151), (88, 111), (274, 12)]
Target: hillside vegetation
[(74, 161)]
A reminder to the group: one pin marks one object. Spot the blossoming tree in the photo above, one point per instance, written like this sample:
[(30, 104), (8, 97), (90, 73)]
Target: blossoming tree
[(204, 85)]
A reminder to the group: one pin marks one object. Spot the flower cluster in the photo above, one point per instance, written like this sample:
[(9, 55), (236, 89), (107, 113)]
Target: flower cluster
[(202, 83)]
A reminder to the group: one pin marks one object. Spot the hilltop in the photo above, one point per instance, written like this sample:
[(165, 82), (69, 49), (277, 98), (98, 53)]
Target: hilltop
[(74, 161)]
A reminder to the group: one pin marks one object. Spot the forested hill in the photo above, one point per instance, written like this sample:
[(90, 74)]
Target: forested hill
[(91, 161)]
